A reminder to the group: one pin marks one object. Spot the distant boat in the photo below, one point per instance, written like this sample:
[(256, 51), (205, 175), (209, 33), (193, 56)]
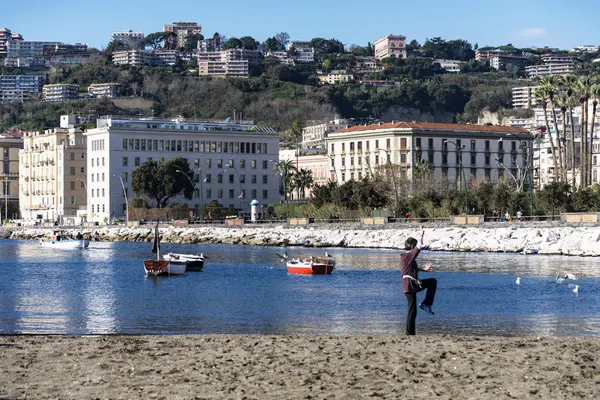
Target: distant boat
[(60, 240), (192, 262), (160, 267), (530, 251), (311, 266)]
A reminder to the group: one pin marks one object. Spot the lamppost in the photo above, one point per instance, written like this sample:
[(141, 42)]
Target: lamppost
[(337, 185), (461, 172), (389, 163), (126, 202), (86, 194), (241, 196), (191, 183), (284, 178), (210, 186)]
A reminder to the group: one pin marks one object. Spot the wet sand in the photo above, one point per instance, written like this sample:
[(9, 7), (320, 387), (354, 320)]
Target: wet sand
[(298, 367)]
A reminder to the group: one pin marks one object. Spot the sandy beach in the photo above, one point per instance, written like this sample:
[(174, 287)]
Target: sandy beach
[(298, 367)]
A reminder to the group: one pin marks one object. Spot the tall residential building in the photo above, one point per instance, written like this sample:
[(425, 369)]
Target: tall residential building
[(5, 37), (134, 58), (303, 51), (231, 161), (534, 71), (232, 63), (52, 174), (134, 39), (508, 61), (17, 88), (60, 92), (313, 136), (9, 176), (452, 150), (390, 45), (524, 97), (184, 31), (103, 89)]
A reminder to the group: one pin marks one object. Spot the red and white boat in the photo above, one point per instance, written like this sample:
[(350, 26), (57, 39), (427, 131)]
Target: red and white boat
[(311, 266)]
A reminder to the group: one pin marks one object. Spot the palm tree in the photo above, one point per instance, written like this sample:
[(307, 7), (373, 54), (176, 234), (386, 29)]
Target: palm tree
[(540, 93), (286, 169), (584, 86), (569, 84), (303, 180), (550, 84), (595, 92)]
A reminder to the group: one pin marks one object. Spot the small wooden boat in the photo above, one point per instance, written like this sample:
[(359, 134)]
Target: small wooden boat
[(60, 240), (311, 266), (160, 267), (192, 262)]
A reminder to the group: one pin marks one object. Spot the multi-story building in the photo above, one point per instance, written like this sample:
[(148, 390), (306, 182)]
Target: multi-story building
[(134, 58), (588, 48), (17, 88), (165, 57), (524, 97), (452, 150), (184, 31), (9, 175), (23, 53), (233, 63), (313, 136), (60, 92), (135, 40), (556, 59), (452, 66), (52, 174), (103, 89), (317, 164), (5, 37), (231, 161), (28, 49), (535, 71), (303, 51), (335, 77), (390, 45), (281, 55), (508, 61)]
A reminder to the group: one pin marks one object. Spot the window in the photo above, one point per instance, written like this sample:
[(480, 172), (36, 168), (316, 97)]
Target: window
[(208, 193), (207, 163), (403, 158), (242, 163), (92, 162), (136, 145), (220, 179), (72, 156), (402, 143), (103, 177), (430, 157), (124, 144), (253, 179), (92, 177), (265, 179), (253, 193), (487, 145), (220, 193), (488, 174), (72, 170), (444, 159), (125, 176), (219, 163), (124, 161), (265, 164), (333, 148), (72, 200), (487, 159), (208, 178), (72, 185), (231, 193), (265, 194), (143, 145), (231, 163), (253, 164), (473, 158), (130, 147), (343, 177), (242, 178), (343, 147), (430, 143), (103, 193), (418, 143), (230, 178), (136, 162), (82, 185), (472, 144)]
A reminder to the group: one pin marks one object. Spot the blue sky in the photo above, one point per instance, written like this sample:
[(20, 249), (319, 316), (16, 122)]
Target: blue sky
[(525, 23)]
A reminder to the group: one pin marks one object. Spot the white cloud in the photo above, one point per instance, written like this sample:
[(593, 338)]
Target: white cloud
[(533, 32)]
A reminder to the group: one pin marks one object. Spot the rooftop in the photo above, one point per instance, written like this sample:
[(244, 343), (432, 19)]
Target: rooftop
[(430, 126)]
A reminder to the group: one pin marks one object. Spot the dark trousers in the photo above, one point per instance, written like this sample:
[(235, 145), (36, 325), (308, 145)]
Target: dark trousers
[(431, 285)]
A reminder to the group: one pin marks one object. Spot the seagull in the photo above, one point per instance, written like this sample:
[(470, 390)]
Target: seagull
[(327, 254), (571, 277), (576, 289), (518, 281)]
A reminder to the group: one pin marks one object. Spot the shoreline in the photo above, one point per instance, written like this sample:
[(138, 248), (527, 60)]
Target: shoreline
[(557, 240), (299, 366)]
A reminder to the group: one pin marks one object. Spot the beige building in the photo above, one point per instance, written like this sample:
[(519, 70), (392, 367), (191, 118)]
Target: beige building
[(183, 30), (9, 176), (314, 135), (335, 77), (52, 174), (524, 97), (357, 151), (60, 92), (134, 58), (103, 89), (390, 45), (232, 63)]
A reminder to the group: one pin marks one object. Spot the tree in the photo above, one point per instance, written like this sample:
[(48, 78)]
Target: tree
[(283, 38), (233, 43), (286, 169), (327, 64), (303, 179), (542, 94), (555, 197), (249, 43), (160, 39), (272, 44), (161, 182), (551, 85)]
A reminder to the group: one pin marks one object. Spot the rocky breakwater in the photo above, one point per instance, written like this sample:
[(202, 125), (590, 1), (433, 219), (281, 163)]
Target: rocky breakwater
[(581, 241)]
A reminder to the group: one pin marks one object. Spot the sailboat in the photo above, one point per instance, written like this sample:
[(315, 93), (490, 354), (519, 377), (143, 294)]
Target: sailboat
[(160, 267)]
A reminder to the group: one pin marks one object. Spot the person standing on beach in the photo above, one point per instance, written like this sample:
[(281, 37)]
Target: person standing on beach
[(411, 285)]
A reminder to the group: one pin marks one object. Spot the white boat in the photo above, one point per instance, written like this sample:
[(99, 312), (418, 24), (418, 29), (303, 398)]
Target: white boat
[(160, 267), (193, 262), (61, 241)]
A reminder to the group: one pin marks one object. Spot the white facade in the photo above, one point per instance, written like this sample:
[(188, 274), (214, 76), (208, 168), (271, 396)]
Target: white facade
[(59, 92), (134, 39), (335, 77), (240, 153), (18, 87), (135, 58), (103, 89), (52, 173), (232, 63), (524, 97), (552, 69), (586, 49), (449, 65), (305, 52), (359, 150), (313, 136)]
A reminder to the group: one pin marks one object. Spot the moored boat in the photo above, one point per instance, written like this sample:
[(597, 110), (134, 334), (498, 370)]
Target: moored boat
[(311, 266), (60, 240), (160, 267), (193, 262)]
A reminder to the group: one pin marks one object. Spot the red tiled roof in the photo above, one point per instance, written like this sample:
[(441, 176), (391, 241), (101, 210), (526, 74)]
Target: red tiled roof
[(433, 126)]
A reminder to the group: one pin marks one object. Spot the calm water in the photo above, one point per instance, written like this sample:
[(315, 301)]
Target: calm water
[(247, 290)]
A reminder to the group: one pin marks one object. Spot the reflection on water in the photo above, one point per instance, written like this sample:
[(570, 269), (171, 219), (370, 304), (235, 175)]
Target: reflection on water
[(247, 289)]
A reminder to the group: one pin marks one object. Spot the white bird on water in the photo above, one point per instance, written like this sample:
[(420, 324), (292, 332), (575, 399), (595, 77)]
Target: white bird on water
[(576, 289), (518, 281)]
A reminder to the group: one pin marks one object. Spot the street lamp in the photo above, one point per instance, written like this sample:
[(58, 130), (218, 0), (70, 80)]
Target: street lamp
[(191, 183), (126, 202), (389, 163), (337, 185), (210, 187), (240, 182), (461, 172), (284, 178)]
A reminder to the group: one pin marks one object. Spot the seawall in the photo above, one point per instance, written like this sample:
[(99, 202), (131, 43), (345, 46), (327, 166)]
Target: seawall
[(565, 240)]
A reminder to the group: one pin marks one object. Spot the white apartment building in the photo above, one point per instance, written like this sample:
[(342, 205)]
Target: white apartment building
[(281, 56), (165, 57), (359, 150), (103, 89), (60, 92), (52, 174), (390, 45), (5, 36), (133, 39), (134, 58), (19, 87), (524, 97), (304, 51), (231, 161), (232, 63), (556, 59), (451, 66), (10, 146), (313, 136), (585, 49), (534, 71), (183, 30), (335, 77)]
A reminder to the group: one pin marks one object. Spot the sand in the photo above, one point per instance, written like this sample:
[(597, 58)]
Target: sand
[(298, 367)]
